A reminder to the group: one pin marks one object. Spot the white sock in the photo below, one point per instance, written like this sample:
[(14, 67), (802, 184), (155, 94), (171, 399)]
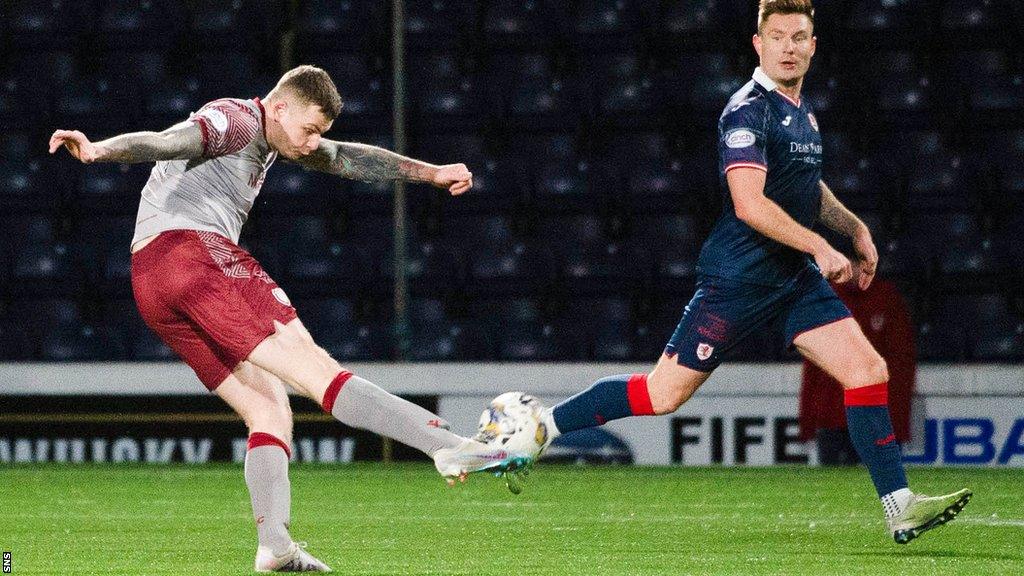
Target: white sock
[(895, 502), (549, 421)]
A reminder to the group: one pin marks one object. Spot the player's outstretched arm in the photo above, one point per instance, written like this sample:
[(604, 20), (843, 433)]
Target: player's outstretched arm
[(181, 142), (373, 164), (839, 218), (746, 187)]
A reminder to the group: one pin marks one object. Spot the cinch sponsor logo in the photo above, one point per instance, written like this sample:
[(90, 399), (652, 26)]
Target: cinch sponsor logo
[(970, 441), (804, 148), (739, 138)]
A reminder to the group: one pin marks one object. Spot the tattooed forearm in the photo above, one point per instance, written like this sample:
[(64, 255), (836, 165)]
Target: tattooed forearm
[(177, 143), (835, 215), (367, 163)]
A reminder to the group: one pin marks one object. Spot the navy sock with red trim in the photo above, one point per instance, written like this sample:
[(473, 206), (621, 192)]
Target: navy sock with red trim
[(867, 417), (609, 398)]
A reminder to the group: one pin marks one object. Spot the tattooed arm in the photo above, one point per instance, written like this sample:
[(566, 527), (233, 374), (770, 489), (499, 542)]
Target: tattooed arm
[(839, 218), (373, 164), (181, 142)]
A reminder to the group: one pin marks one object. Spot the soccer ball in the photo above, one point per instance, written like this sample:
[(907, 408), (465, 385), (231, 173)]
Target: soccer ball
[(514, 422)]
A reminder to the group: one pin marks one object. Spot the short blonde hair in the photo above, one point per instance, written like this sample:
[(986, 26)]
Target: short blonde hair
[(769, 7)]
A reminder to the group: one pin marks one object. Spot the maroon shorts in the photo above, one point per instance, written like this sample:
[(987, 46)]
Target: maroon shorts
[(208, 299)]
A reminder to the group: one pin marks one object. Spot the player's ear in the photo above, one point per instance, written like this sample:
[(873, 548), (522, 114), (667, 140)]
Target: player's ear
[(757, 43)]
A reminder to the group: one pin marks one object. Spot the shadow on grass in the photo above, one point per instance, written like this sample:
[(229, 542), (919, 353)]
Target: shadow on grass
[(939, 554)]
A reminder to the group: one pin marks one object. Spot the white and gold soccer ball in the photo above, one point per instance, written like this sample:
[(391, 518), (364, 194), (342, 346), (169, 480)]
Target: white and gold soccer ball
[(514, 421)]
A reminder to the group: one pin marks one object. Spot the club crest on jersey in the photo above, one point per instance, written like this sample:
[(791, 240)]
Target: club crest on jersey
[(704, 351), (216, 118), (281, 296), (739, 138), (813, 121)]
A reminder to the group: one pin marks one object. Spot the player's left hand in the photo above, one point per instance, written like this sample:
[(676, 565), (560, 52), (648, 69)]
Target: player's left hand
[(867, 257), (455, 177)]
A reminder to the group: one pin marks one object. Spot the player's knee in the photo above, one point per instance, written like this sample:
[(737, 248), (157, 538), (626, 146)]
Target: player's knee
[(667, 393), (874, 371)]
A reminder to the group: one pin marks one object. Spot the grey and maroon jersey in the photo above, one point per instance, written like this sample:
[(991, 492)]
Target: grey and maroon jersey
[(215, 192)]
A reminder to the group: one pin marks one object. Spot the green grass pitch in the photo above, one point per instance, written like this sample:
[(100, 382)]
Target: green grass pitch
[(401, 519)]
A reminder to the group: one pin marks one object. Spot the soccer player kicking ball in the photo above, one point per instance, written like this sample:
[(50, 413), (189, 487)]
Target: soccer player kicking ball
[(213, 304), (762, 262)]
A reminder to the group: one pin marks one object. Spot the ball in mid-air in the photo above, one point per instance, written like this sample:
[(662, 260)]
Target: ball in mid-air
[(514, 421)]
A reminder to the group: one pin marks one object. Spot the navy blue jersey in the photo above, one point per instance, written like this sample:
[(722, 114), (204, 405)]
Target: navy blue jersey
[(764, 129)]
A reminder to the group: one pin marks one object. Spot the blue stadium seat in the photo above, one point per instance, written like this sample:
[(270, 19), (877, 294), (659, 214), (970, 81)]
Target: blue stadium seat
[(94, 105), (671, 245), (35, 318), (40, 72), (21, 107), (534, 342), (697, 24), (81, 343), (643, 165), (28, 185), (44, 24), (522, 23), (590, 262), (941, 340), (229, 74), (113, 188), (999, 341), (597, 24), (130, 69), (357, 342), (43, 263), (151, 24), (542, 104), (941, 181), (102, 247), (494, 189), (497, 261), (364, 88), (1003, 151), (122, 321), (171, 102), (560, 176), (977, 22), (242, 23), (333, 24), (13, 344), (873, 23), (992, 85), (710, 94), (440, 22), (432, 268)]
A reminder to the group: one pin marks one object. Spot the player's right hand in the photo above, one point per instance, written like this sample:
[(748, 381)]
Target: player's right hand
[(77, 144), (833, 265)]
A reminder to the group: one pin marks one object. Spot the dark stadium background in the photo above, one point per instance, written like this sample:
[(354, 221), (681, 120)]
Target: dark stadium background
[(590, 129)]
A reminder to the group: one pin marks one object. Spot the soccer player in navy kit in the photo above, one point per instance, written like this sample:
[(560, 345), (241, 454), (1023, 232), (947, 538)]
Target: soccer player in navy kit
[(762, 262)]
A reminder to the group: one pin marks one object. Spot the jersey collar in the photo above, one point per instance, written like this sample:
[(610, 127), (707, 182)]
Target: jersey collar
[(768, 84), (263, 115)]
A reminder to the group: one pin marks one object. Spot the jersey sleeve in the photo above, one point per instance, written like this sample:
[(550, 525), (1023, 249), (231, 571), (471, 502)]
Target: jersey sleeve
[(742, 137), (227, 127)]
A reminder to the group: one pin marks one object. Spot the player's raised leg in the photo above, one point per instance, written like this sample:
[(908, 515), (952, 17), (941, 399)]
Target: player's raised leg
[(661, 391), (841, 349), (261, 400), (291, 354)]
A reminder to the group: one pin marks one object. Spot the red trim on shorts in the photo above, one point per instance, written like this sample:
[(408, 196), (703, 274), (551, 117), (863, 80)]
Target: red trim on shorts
[(263, 115), (874, 395), (257, 439), (332, 391), (639, 396)]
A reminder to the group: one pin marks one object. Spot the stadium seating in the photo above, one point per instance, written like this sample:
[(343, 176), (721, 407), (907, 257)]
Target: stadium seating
[(590, 128)]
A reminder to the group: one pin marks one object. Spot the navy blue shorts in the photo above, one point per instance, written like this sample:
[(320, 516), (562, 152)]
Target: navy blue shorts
[(723, 312)]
